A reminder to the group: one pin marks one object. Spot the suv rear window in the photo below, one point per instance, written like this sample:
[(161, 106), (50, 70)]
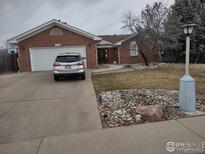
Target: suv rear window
[(69, 58)]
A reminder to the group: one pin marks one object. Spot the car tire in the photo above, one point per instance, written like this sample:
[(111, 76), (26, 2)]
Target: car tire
[(56, 78), (83, 77)]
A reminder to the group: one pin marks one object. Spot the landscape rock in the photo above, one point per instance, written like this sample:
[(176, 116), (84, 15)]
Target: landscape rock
[(138, 117), (150, 113), (119, 107)]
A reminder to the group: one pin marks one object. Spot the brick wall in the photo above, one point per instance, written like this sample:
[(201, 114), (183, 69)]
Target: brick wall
[(112, 55), (44, 39), (125, 57)]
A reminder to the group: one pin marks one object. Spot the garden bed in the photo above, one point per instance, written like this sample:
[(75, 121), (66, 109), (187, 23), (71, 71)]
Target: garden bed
[(119, 107)]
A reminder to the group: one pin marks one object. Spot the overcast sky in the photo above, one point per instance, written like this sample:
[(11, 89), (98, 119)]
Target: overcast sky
[(94, 16)]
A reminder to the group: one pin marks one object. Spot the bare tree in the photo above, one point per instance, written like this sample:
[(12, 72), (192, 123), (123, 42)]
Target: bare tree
[(147, 27)]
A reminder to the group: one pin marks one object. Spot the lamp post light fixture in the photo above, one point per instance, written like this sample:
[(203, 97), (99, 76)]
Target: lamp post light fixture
[(187, 93)]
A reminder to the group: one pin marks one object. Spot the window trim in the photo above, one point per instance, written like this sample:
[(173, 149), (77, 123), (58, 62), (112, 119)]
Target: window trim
[(135, 53)]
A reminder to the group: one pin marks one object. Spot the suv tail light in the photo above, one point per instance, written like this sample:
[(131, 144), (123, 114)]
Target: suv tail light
[(56, 64), (80, 63)]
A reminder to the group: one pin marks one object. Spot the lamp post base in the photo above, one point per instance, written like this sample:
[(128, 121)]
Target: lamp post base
[(187, 94)]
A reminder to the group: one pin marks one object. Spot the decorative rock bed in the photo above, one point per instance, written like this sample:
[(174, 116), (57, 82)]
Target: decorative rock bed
[(134, 106)]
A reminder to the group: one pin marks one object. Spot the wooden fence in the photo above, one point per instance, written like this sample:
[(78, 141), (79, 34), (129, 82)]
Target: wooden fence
[(8, 62)]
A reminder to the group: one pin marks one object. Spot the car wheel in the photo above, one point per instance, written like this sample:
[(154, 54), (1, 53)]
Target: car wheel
[(56, 78), (83, 77)]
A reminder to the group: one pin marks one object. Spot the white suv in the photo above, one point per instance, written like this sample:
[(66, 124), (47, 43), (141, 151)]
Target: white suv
[(68, 64)]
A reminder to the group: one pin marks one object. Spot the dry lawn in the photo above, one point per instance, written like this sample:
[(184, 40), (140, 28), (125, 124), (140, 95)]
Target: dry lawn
[(166, 76)]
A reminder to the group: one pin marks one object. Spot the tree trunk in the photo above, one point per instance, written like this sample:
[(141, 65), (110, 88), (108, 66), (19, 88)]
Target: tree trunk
[(144, 58)]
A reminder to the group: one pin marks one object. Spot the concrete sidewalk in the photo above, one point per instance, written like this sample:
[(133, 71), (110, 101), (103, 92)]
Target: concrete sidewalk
[(110, 68), (143, 139)]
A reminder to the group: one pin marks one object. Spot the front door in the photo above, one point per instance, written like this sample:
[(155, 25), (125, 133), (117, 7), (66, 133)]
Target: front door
[(102, 56)]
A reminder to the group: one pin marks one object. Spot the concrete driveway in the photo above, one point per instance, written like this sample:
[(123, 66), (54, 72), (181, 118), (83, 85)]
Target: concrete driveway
[(33, 106), (40, 116)]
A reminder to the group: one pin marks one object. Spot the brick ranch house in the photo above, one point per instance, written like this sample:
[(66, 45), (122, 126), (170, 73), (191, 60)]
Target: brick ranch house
[(39, 46)]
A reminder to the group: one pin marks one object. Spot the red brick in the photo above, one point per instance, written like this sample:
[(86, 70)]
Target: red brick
[(125, 57), (44, 39)]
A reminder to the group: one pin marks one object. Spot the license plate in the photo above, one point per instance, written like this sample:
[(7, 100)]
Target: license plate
[(68, 67)]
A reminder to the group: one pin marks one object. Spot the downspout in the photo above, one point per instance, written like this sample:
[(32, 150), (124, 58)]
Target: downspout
[(16, 46), (96, 56), (118, 53)]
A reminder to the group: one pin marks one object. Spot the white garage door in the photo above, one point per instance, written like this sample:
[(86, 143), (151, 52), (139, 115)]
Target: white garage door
[(43, 58)]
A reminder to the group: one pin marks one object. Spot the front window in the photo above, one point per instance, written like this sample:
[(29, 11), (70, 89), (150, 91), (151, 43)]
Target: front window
[(133, 49)]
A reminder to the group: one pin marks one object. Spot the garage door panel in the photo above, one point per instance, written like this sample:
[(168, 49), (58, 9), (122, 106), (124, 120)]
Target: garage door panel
[(43, 58)]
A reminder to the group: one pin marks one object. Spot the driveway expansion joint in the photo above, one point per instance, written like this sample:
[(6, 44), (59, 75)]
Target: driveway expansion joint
[(39, 145)]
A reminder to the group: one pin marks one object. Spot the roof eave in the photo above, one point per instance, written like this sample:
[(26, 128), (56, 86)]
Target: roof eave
[(47, 25), (104, 46), (17, 37), (122, 41), (96, 38), (12, 41), (118, 43)]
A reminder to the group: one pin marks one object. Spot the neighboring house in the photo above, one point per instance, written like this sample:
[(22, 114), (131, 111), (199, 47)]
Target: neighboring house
[(39, 46), (12, 50)]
